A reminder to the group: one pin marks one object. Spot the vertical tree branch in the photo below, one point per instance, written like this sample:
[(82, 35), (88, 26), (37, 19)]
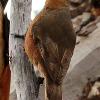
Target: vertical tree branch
[(4, 67), (22, 71)]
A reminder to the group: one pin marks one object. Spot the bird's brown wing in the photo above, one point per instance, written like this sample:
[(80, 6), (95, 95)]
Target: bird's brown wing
[(56, 42)]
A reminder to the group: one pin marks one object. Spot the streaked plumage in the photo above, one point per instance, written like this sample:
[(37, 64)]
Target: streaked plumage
[(50, 41)]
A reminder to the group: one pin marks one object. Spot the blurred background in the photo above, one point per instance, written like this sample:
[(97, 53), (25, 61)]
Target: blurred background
[(37, 5)]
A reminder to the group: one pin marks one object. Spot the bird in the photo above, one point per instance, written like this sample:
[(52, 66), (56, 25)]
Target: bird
[(49, 44)]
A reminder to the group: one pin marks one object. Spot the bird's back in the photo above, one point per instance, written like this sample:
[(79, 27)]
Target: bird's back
[(56, 29), (53, 41)]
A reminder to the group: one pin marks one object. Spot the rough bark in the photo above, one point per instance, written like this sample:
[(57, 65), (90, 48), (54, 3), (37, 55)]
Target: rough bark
[(22, 71), (4, 67), (1, 40), (5, 84)]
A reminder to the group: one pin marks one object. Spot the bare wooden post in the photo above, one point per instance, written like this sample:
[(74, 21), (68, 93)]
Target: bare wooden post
[(4, 67), (24, 77), (1, 40)]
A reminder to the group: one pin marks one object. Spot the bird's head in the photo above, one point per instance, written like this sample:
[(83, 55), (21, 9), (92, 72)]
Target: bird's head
[(56, 3)]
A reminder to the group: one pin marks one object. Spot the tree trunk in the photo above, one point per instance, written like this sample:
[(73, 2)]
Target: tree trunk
[(4, 67), (21, 69), (5, 83), (1, 40)]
